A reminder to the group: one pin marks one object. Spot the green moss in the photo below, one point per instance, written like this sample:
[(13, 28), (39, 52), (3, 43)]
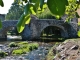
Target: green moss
[(33, 46), (13, 44), (24, 48), (25, 42), (3, 54), (18, 52)]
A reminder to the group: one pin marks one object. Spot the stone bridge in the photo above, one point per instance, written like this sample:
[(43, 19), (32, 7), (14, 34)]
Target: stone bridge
[(36, 26)]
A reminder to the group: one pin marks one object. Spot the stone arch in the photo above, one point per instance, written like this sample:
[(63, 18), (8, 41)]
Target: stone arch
[(6, 25), (7, 29), (62, 30)]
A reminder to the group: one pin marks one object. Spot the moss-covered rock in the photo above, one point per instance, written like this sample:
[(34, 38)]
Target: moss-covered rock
[(25, 47), (13, 44), (3, 54)]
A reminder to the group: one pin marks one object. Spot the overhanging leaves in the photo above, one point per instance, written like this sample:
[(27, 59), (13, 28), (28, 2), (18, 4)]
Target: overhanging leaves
[(36, 2), (78, 33), (57, 7), (1, 3), (26, 9), (41, 3), (32, 11), (24, 19), (25, 1), (27, 19), (20, 24)]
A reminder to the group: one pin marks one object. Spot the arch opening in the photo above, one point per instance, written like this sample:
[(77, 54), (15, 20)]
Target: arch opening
[(12, 34), (52, 33)]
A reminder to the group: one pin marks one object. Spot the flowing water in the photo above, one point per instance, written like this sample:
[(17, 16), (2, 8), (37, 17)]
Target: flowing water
[(39, 54)]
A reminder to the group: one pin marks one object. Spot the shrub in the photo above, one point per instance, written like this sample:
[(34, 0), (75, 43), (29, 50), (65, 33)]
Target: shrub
[(13, 44)]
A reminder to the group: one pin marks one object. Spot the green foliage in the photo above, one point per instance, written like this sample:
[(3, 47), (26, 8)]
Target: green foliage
[(24, 19), (26, 9), (78, 33), (15, 11), (20, 24), (77, 15), (45, 15), (57, 7), (13, 44), (1, 3), (41, 3), (3, 54), (78, 23), (29, 8), (71, 10)]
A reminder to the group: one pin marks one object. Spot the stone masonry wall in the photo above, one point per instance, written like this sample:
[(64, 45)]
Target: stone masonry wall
[(34, 29)]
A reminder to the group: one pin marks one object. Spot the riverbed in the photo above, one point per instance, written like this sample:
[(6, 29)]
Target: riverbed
[(39, 54)]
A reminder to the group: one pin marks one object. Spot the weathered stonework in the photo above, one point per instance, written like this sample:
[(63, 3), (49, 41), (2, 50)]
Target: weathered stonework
[(6, 25), (40, 25), (34, 29)]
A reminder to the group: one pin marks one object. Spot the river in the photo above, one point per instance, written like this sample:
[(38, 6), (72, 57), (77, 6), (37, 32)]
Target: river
[(39, 54)]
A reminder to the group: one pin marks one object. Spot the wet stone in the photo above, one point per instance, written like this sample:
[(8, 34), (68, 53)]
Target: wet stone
[(39, 54)]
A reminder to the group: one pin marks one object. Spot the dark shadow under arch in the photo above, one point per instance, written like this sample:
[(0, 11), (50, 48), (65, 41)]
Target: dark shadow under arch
[(53, 33), (10, 31)]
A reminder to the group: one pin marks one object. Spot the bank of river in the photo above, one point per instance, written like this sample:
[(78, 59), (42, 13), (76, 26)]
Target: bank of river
[(67, 50)]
